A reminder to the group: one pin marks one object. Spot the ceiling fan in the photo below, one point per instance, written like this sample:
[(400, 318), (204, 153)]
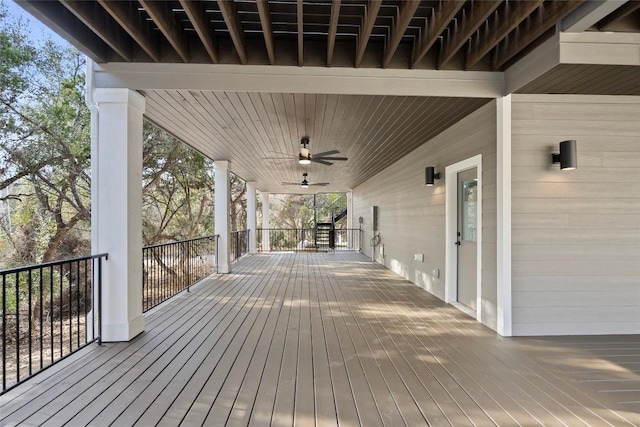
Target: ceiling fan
[(305, 183), (305, 157)]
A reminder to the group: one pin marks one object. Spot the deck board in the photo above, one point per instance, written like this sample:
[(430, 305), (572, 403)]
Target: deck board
[(330, 339)]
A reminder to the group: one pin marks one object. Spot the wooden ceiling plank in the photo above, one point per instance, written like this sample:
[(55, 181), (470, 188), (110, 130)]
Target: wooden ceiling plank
[(478, 13), (407, 11), (373, 7), (333, 29), (98, 21), (517, 12), (267, 30), (625, 10), (551, 13), (125, 14), (195, 13), (228, 11), (300, 21), (439, 21), (161, 15)]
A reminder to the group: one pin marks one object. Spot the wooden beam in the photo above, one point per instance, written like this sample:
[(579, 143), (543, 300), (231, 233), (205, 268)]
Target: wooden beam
[(625, 10), (333, 29), (66, 24), (439, 21), (161, 15), (407, 11), (267, 30), (127, 15), (228, 11), (516, 12), (477, 14), (549, 15), (195, 13), (300, 20), (371, 13), (98, 21), (589, 14)]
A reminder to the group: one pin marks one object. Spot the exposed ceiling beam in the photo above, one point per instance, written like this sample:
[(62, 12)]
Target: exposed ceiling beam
[(161, 15), (407, 10), (126, 14), (267, 30), (439, 21), (300, 20), (516, 12), (477, 14), (623, 11), (371, 13), (66, 24), (589, 14), (98, 21), (228, 11), (195, 12), (333, 29), (550, 14)]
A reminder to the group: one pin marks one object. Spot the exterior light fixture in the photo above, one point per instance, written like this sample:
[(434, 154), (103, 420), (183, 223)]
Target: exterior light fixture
[(568, 157), (431, 176), (305, 183)]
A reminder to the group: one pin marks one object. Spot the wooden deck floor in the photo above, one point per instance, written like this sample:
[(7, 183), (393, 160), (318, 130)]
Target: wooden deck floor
[(327, 339)]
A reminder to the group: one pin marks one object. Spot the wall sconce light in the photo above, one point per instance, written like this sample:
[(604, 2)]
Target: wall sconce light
[(431, 176), (568, 157)]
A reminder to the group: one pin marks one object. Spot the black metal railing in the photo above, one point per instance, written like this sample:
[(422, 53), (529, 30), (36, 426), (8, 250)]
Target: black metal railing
[(48, 313), (170, 268), (308, 239), (239, 244)]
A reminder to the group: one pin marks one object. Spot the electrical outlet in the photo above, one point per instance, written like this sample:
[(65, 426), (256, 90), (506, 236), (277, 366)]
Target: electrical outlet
[(436, 273), (418, 257)]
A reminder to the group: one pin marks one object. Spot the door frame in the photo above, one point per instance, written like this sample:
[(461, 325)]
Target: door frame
[(451, 226)]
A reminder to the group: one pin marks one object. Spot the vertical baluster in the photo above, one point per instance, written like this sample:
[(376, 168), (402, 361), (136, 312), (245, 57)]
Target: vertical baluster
[(41, 320), (30, 290), (86, 302), (51, 310), (60, 309), (100, 301), (78, 302), (18, 327), (4, 331), (70, 307)]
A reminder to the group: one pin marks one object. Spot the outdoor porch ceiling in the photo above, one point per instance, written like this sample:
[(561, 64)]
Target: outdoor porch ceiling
[(239, 80), (427, 34)]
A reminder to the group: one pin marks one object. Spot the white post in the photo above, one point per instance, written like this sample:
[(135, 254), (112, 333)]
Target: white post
[(116, 207), (251, 215), (221, 214), (503, 237), (266, 243), (351, 235)]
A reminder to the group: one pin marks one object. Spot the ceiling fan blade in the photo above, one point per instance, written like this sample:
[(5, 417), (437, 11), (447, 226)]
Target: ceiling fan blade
[(326, 153), (290, 183), (320, 184), (333, 158), (323, 162)]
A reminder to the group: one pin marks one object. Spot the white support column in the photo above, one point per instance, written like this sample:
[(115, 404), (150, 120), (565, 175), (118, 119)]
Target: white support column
[(266, 243), (251, 215), (351, 235), (221, 214), (504, 215), (116, 208)]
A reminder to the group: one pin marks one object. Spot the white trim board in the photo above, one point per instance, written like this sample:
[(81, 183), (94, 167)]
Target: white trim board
[(451, 225)]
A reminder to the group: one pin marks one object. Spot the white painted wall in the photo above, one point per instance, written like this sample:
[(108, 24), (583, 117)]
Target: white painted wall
[(576, 234), (411, 216)]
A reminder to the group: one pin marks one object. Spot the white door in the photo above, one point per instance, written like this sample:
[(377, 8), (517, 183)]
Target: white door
[(467, 238)]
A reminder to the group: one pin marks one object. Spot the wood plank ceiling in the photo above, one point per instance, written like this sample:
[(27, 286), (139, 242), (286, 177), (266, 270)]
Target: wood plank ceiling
[(373, 131)]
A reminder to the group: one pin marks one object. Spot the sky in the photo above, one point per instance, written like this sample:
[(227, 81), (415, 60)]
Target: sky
[(37, 30)]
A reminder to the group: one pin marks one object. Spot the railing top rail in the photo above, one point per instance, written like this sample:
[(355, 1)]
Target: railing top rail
[(52, 264), (210, 237)]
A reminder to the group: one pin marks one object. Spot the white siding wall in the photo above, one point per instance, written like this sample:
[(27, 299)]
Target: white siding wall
[(576, 234), (411, 216)]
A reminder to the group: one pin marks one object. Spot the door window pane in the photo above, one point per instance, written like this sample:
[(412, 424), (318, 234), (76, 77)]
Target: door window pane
[(469, 210)]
